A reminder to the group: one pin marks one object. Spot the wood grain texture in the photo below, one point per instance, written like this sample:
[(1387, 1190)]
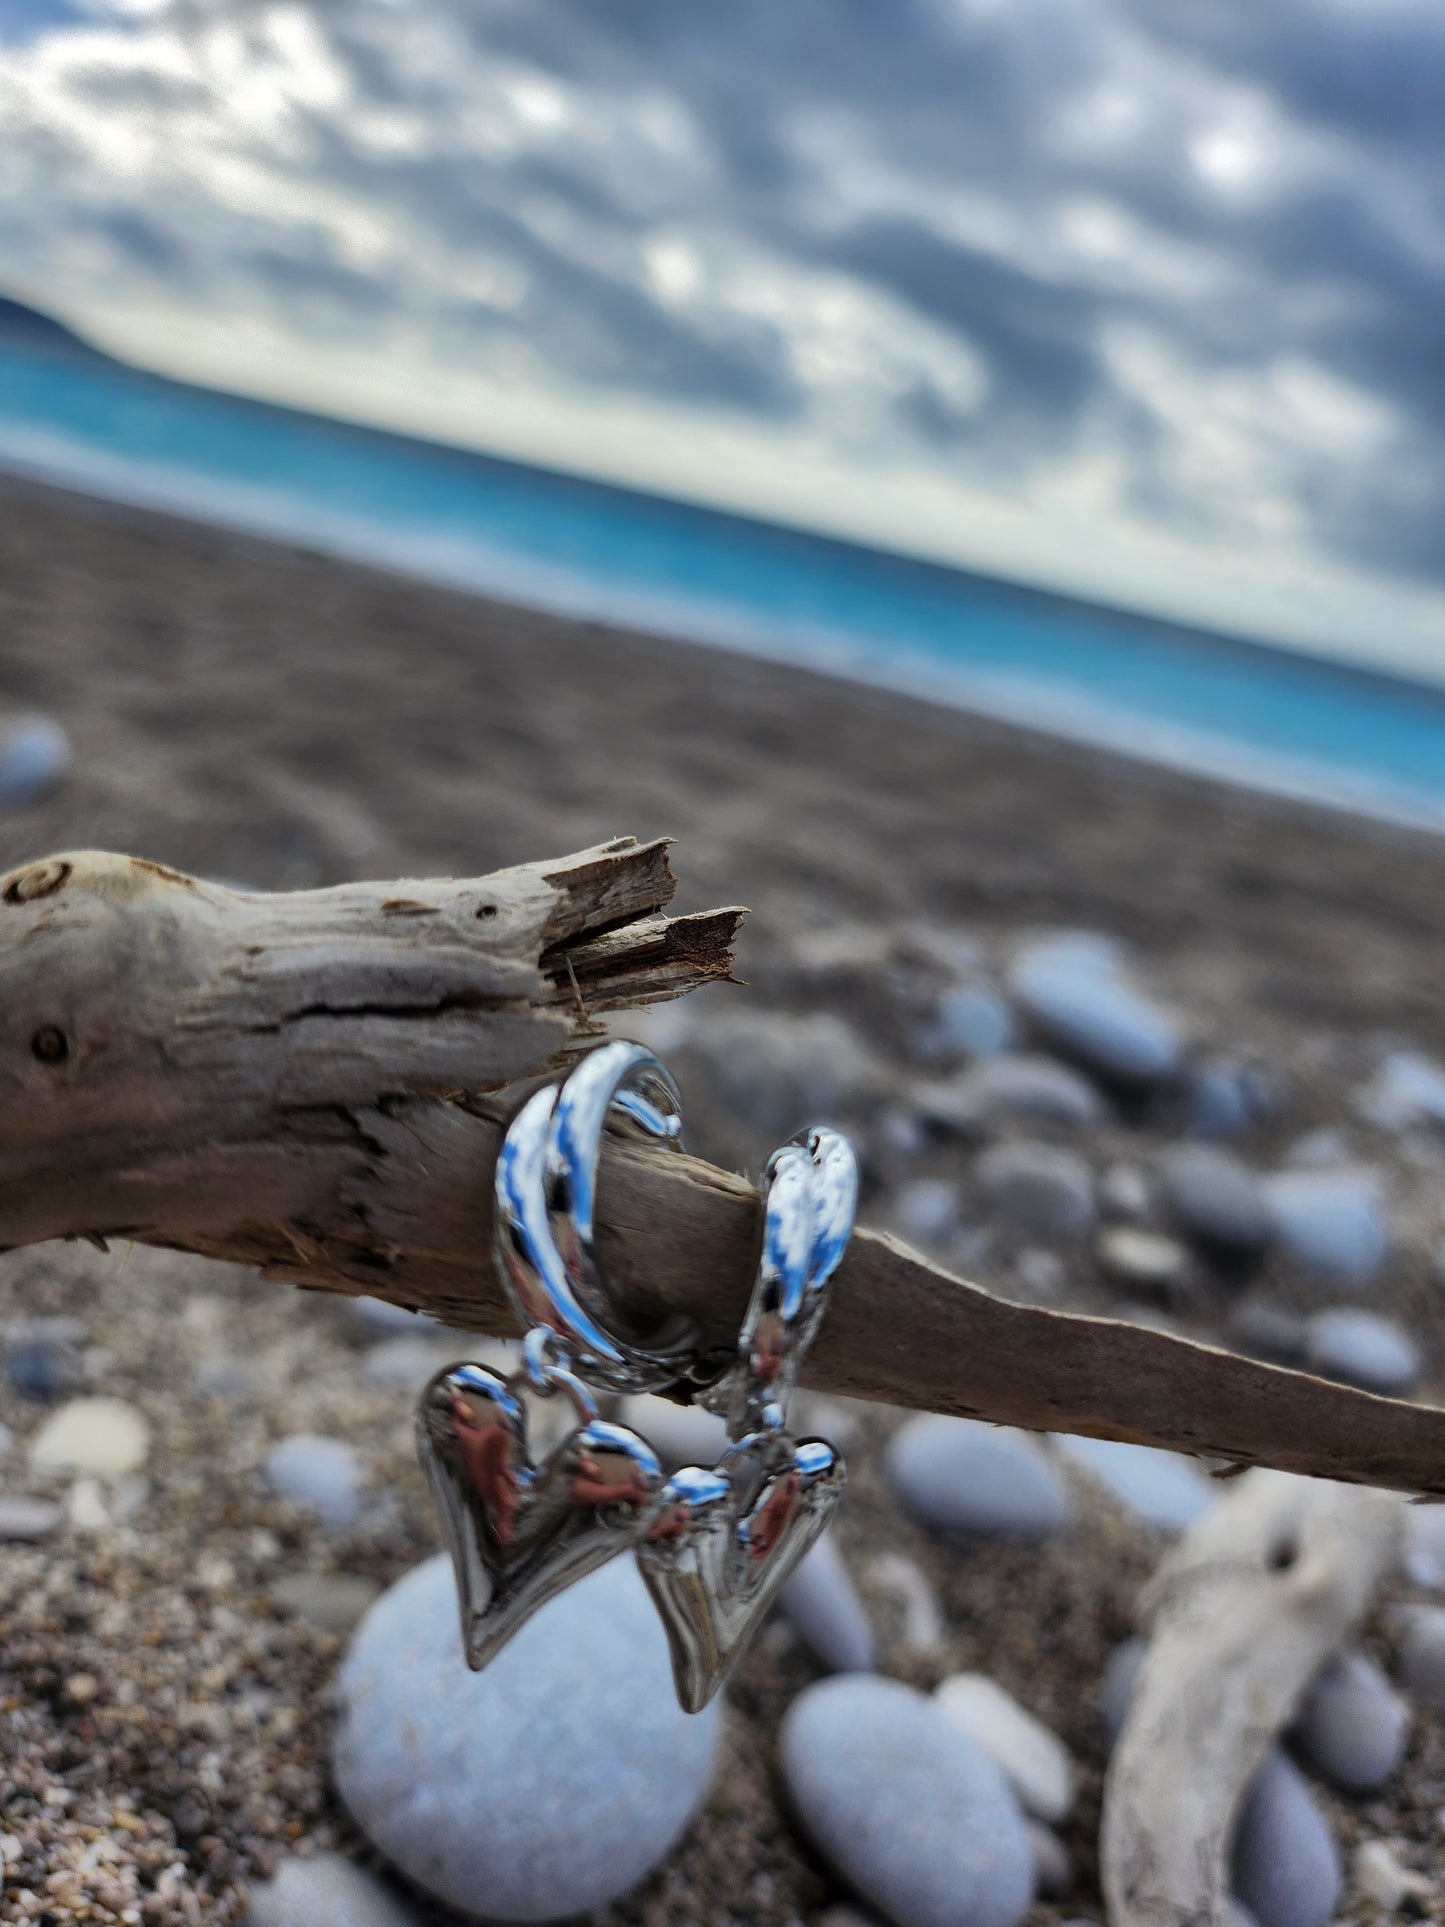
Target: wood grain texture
[(1242, 1614), (311, 1084)]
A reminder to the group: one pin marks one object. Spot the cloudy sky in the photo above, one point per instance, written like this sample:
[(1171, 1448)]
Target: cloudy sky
[(1137, 297)]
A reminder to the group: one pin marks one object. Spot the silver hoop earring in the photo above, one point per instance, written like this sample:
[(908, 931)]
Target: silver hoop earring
[(714, 1544)]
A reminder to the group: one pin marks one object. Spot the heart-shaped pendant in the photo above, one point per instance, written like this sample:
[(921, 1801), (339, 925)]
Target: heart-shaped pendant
[(724, 1542), (517, 1532)]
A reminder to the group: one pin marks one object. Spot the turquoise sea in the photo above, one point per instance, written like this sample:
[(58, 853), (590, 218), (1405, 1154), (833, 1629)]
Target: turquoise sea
[(1263, 716)]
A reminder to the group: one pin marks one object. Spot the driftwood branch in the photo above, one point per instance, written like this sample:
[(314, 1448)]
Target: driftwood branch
[(1243, 1613), (307, 1083)]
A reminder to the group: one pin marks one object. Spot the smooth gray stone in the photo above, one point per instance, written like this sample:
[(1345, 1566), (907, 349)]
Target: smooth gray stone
[(1039, 1188), (1331, 1223), (1222, 1098), (320, 1474), (1159, 1488), (544, 1786), (333, 1602), (778, 1073), (1143, 1259), (26, 1520), (1027, 1090), (971, 1021), (964, 1476), (1215, 1198), (1116, 1684), (824, 1608), (1286, 1866), (35, 756), (1408, 1090), (1125, 1193), (1076, 992), (219, 1375), (326, 1890), (1422, 1654), (1352, 1725), (904, 1807), (1360, 1348), (926, 1212)]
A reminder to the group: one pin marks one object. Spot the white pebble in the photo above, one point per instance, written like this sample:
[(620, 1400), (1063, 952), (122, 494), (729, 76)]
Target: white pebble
[(1035, 1761), (102, 1436)]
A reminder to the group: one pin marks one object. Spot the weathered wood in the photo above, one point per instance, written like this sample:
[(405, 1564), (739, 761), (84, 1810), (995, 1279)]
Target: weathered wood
[(1242, 1614), (302, 1083)]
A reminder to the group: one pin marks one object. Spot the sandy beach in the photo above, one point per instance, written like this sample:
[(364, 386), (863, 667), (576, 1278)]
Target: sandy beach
[(273, 718)]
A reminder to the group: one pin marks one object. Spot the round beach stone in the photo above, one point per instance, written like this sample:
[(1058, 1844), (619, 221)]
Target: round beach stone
[(823, 1606), (1422, 1654), (969, 1021), (1331, 1223), (1026, 1089), (1159, 1488), (320, 1474), (904, 1806), (1223, 1097), (926, 1212), (1033, 1760), (101, 1436), (964, 1476), (1360, 1348), (1039, 1188), (1142, 1259), (777, 1073), (547, 1784), (1076, 992), (35, 756), (326, 1890), (1286, 1867), (1408, 1090), (25, 1520), (1425, 1546), (1215, 1198), (1352, 1724)]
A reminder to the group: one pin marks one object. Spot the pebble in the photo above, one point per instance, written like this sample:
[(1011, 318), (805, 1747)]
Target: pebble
[(823, 1606), (1215, 1198), (895, 1573), (1422, 1654), (1026, 1090), (219, 1375), (1408, 1090), (1077, 993), (1146, 1260), (1116, 1684), (1352, 1724), (1359, 1348), (678, 1434), (904, 1806), (1053, 1869), (320, 1474), (35, 756), (926, 1212), (326, 1890), (1382, 1877), (102, 1436), (37, 1369), (1159, 1488), (1040, 1188), (403, 1364), (971, 1021), (964, 1476), (1331, 1223), (333, 1602), (27, 1520), (1222, 1098), (546, 1785), (1125, 1192), (1267, 1332), (1033, 1760), (777, 1073), (1286, 1865)]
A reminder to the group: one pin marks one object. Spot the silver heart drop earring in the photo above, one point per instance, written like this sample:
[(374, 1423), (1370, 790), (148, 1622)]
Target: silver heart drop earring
[(714, 1544)]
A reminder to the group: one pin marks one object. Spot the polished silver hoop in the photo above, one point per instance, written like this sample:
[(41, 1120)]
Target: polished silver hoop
[(546, 1218)]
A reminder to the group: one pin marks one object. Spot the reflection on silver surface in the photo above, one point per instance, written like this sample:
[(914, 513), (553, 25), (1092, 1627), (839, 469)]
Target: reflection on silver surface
[(546, 1185), (723, 1541), (517, 1532)]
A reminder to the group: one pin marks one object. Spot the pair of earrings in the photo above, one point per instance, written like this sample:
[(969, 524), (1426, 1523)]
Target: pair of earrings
[(714, 1543)]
